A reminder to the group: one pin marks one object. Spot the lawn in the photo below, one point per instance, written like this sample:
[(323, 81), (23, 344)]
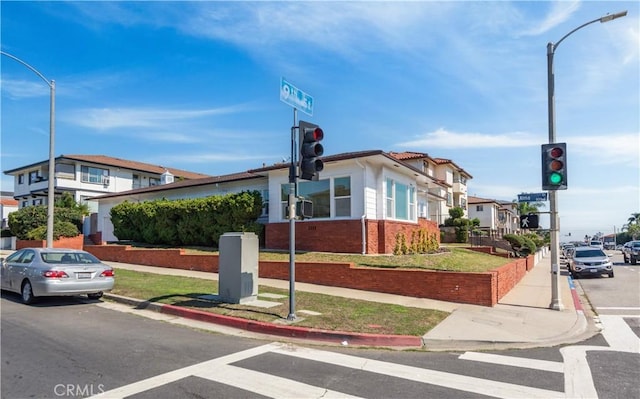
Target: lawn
[(336, 313)]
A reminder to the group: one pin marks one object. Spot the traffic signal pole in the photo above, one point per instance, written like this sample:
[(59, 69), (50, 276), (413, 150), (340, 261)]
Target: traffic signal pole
[(292, 221), (556, 300)]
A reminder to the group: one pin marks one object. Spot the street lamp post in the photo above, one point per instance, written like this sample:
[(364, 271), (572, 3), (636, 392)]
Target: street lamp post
[(556, 301), (52, 162)]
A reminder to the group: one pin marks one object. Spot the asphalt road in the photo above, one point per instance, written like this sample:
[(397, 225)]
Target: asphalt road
[(72, 347)]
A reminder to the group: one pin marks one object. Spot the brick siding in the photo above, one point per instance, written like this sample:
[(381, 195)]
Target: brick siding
[(345, 236), (63, 242)]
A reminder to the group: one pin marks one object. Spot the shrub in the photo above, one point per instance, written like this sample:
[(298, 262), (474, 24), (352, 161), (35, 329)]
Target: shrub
[(60, 229)]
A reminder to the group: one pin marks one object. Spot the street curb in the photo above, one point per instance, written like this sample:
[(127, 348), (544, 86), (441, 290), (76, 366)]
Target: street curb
[(339, 337)]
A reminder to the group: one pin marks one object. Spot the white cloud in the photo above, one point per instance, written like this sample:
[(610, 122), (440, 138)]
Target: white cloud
[(559, 12), (609, 149), (442, 138), (17, 89), (115, 118)]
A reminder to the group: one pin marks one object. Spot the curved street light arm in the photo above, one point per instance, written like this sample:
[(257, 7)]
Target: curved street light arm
[(49, 82)]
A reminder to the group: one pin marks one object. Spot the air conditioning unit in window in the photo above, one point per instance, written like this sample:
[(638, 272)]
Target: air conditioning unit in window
[(105, 181)]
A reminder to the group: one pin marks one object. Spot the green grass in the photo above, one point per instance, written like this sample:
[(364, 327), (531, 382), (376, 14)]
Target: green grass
[(450, 259), (337, 313)]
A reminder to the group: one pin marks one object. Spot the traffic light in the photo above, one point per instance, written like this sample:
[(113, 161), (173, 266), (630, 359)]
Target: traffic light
[(554, 166), (310, 136)]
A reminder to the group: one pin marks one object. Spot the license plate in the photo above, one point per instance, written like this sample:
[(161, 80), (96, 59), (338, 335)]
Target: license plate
[(593, 270), (83, 275)]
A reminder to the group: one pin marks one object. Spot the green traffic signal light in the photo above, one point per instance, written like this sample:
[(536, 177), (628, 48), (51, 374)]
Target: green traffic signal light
[(555, 178)]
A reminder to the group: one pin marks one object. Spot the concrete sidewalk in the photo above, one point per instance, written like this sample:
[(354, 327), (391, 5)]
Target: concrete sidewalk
[(521, 319)]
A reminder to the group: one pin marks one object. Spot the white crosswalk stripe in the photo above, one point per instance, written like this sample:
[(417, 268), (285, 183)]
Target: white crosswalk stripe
[(223, 370)]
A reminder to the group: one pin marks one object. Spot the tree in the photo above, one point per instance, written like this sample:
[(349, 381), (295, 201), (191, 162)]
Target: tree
[(633, 226), (525, 208)]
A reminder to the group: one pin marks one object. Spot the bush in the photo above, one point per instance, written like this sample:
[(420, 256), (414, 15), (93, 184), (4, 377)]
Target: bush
[(24, 220), (60, 229), (196, 221)]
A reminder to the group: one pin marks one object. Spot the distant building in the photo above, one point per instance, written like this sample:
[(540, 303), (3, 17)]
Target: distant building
[(7, 205), (497, 218), (86, 176)]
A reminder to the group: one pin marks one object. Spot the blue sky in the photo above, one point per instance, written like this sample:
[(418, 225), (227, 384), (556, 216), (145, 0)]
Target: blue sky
[(195, 85)]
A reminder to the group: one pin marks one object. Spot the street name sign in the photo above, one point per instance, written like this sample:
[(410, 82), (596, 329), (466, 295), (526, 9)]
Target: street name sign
[(532, 197), (298, 99)]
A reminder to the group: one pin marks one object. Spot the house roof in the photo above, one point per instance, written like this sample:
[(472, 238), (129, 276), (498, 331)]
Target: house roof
[(255, 174), (120, 163), (477, 200), (8, 202), (407, 155), (444, 161), (185, 183)]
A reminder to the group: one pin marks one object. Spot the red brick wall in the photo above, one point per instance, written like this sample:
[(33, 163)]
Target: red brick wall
[(344, 236), (475, 288), (63, 242)]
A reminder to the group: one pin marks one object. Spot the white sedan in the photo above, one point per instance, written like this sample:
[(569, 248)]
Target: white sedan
[(38, 272)]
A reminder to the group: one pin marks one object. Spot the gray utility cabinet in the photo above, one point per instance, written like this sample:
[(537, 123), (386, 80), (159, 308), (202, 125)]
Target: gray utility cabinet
[(238, 268)]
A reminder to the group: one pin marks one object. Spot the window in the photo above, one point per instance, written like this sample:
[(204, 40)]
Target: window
[(319, 192), (400, 200), (66, 170), (154, 182), (265, 202), (135, 183), (449, 199), (93, 175), (37, 201), (478, 208), (342, 196), (25, 203), (21, 178), (35, 177)]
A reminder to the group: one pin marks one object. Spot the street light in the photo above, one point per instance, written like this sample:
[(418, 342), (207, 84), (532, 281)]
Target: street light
[(52, 162), (556, 301)]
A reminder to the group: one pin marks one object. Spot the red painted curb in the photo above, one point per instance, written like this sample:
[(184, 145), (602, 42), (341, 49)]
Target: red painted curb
[(293, 331)]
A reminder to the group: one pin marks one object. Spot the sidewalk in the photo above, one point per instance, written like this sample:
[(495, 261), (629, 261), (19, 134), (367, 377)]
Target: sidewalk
[(521, 319)]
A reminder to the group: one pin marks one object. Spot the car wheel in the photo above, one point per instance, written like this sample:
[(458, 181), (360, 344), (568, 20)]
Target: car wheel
[(633, 260), (27, 293), (611, 275), (95, 295), (624, 258)]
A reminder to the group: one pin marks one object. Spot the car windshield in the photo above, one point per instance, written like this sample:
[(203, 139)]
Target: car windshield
[(636, 244), (591, 253), (69, 257)]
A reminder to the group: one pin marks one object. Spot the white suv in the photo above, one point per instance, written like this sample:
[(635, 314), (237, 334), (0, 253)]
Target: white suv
[(590, 261)]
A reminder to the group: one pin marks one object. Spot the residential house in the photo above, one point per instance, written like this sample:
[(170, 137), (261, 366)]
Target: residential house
[(361, 201), (497, 218), (451, 179), (86, 176), (7, 205)]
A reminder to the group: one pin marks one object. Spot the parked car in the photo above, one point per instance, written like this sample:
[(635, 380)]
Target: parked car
[(631, 252), (41, 272), (590, 261)]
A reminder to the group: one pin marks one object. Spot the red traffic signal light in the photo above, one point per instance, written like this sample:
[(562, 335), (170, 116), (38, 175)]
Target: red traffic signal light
[(310, 136), (554, 166)]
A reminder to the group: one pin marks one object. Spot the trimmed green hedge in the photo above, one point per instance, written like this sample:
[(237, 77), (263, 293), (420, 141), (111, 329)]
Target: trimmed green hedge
[(199, 221), (24, 221)]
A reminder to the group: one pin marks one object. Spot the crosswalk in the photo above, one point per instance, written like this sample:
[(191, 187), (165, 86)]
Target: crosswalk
[(230, 371)]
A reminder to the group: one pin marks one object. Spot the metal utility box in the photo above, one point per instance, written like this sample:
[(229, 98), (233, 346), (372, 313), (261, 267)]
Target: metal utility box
[(238, 268)]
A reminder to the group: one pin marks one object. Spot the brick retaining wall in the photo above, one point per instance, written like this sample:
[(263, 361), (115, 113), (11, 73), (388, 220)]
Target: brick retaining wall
[(484, 289), (63, 242)]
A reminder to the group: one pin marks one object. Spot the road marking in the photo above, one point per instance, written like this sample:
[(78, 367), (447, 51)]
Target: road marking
[(221, 370), (266, 384), (616, 308), (432, 377), (619, 335), (535, 364)]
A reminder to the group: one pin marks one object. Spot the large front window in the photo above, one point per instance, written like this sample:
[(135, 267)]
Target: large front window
[(94, 175), (327, 195), (400, 200)]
